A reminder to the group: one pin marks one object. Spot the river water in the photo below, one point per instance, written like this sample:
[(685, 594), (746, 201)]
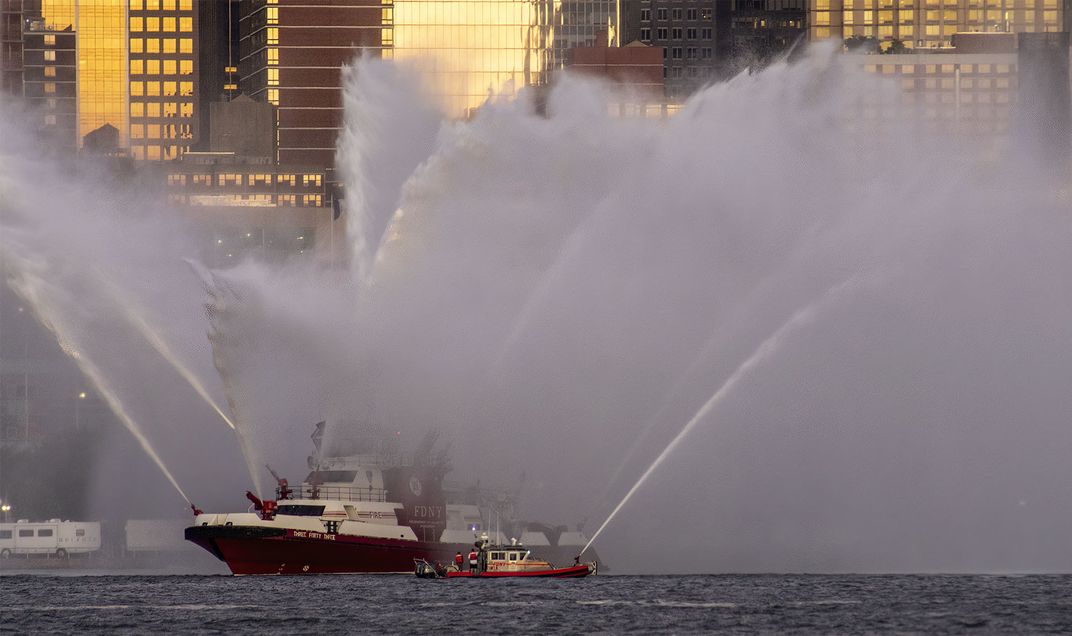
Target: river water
[(614, 604)]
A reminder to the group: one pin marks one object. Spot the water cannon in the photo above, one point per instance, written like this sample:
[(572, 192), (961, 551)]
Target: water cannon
[(197, 511), (282, 489), (257, 503)]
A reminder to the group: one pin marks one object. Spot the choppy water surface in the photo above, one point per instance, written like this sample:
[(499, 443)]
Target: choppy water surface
[(393, 604)]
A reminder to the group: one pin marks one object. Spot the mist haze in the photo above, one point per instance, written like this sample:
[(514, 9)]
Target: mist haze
[(557, 291)]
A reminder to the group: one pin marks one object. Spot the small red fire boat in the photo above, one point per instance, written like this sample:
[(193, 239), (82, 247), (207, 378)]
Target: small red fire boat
[(498, 561)]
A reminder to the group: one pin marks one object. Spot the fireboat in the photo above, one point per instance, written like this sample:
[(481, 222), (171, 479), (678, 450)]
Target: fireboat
[(502, 561), (376, 511)]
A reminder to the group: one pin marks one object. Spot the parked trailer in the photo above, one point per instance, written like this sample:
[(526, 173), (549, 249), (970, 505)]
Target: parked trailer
[(52, 537)]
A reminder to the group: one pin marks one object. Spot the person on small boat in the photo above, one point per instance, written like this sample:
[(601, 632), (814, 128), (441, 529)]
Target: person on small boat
[(472, 560), (458, 561)]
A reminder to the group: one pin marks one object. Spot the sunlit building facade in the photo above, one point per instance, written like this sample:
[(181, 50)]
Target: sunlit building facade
[(929, 23), (100, 28), (163, 50), (469, 50)]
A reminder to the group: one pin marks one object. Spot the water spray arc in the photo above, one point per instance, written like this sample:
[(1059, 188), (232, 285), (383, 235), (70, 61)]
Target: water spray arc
[(767, 348), (25, 290), (152, 336)]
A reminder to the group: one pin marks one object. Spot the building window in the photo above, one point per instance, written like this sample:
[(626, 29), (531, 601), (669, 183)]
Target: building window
[(186, 67), (690, 33), (50, 56), (170, 66), (677, 14), (186, 45), (690, 14), (137, 109), (661, 33), (152, 25), (169, 25), (676, 54), (169, 45), (50, 87), (675, 33), (273, 36), (50, 71), (137, 67), (662, 14), (137, 25), (645, 34), (645, 15), (311, 179), (705, 33), (186, 25), (50, 40)]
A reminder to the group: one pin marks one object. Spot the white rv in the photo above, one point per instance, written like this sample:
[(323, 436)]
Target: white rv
[(54, 537)]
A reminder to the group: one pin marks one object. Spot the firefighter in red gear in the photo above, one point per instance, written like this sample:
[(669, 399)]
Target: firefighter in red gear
[(458, 561), (472, 560)]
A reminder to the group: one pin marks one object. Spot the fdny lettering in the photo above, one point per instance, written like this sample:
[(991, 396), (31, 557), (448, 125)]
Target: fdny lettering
[(309, 534), (427, 512)]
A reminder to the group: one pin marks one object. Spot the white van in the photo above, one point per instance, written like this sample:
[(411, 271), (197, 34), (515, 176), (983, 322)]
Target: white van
[(59, 538)]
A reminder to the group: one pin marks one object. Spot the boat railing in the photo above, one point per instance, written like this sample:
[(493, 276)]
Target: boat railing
[(342, 493)]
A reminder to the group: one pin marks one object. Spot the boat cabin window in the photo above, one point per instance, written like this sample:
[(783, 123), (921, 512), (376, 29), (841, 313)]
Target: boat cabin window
[(329, 476), (298, 510), (25, 533), (80, 532), (497, 556), (513, 556), (5, 534), (44, 532)]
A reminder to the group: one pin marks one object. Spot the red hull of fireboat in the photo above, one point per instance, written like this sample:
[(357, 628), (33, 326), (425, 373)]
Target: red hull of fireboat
[(260, 550)]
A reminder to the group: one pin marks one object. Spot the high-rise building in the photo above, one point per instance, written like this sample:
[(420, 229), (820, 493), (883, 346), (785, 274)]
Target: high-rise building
[(584, 24), (100, 28), (764, 29), (163, 77), (217, 60), (468, 50), (127, 68), (694, 35), (49, 83), (11, 47), (291, 53), (929, 23)]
